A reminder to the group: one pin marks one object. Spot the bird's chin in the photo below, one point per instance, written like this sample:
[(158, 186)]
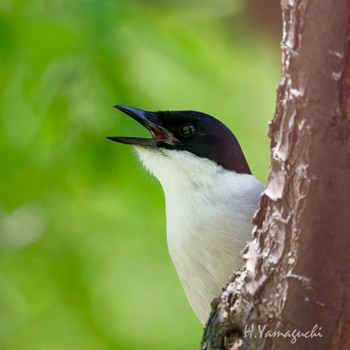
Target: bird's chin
[(152, 159), (149, 150)]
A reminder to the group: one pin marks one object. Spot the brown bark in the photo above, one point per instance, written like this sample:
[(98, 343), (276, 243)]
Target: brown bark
[(297, 271)]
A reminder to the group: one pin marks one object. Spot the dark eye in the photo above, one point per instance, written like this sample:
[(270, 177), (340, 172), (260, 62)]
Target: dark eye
[(187, 130)]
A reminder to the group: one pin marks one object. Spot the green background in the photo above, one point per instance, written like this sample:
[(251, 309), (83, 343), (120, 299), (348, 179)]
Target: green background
[(83, 255)]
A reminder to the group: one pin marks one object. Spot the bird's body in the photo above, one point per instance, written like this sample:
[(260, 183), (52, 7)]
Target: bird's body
[(209, 205), (208, 220)]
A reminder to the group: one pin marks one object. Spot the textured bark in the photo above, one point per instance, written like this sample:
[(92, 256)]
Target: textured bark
[(297, 271)]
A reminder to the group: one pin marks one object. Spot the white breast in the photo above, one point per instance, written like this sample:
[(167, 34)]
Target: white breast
[(209, 212)]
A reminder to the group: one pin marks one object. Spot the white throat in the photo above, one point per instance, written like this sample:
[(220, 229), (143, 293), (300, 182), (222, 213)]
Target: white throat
[(208, 211)]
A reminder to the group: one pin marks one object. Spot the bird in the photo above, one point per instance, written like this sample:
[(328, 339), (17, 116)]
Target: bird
[(210, 196)]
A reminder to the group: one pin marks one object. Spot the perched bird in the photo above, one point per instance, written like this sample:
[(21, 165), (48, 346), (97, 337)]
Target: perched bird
[(210, 192)]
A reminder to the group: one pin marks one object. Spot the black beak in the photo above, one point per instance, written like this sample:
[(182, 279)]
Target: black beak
[(150, 120)]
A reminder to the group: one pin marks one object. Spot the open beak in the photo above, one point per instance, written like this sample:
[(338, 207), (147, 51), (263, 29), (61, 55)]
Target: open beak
[(150, 120)]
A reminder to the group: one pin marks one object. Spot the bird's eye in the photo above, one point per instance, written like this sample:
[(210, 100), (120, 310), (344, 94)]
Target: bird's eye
[(187, 130)]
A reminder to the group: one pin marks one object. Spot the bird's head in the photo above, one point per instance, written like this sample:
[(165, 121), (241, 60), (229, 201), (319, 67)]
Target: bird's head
[(184, 137)]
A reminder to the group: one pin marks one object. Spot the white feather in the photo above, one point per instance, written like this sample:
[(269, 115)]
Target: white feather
[(208, 212)]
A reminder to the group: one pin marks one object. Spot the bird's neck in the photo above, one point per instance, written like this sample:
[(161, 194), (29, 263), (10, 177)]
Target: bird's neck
[(179, 171), (197, 189)]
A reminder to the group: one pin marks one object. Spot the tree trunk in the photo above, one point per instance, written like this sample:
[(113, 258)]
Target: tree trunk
[(294, 291)]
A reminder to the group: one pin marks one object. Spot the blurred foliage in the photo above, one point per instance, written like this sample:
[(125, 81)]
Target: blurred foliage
[(83, 262)]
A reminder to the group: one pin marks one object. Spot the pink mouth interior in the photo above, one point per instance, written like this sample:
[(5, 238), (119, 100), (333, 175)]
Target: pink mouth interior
[(157, 133)]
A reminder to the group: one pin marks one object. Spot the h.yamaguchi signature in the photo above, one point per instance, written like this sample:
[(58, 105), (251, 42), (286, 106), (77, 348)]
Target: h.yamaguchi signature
[(294, 334)]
